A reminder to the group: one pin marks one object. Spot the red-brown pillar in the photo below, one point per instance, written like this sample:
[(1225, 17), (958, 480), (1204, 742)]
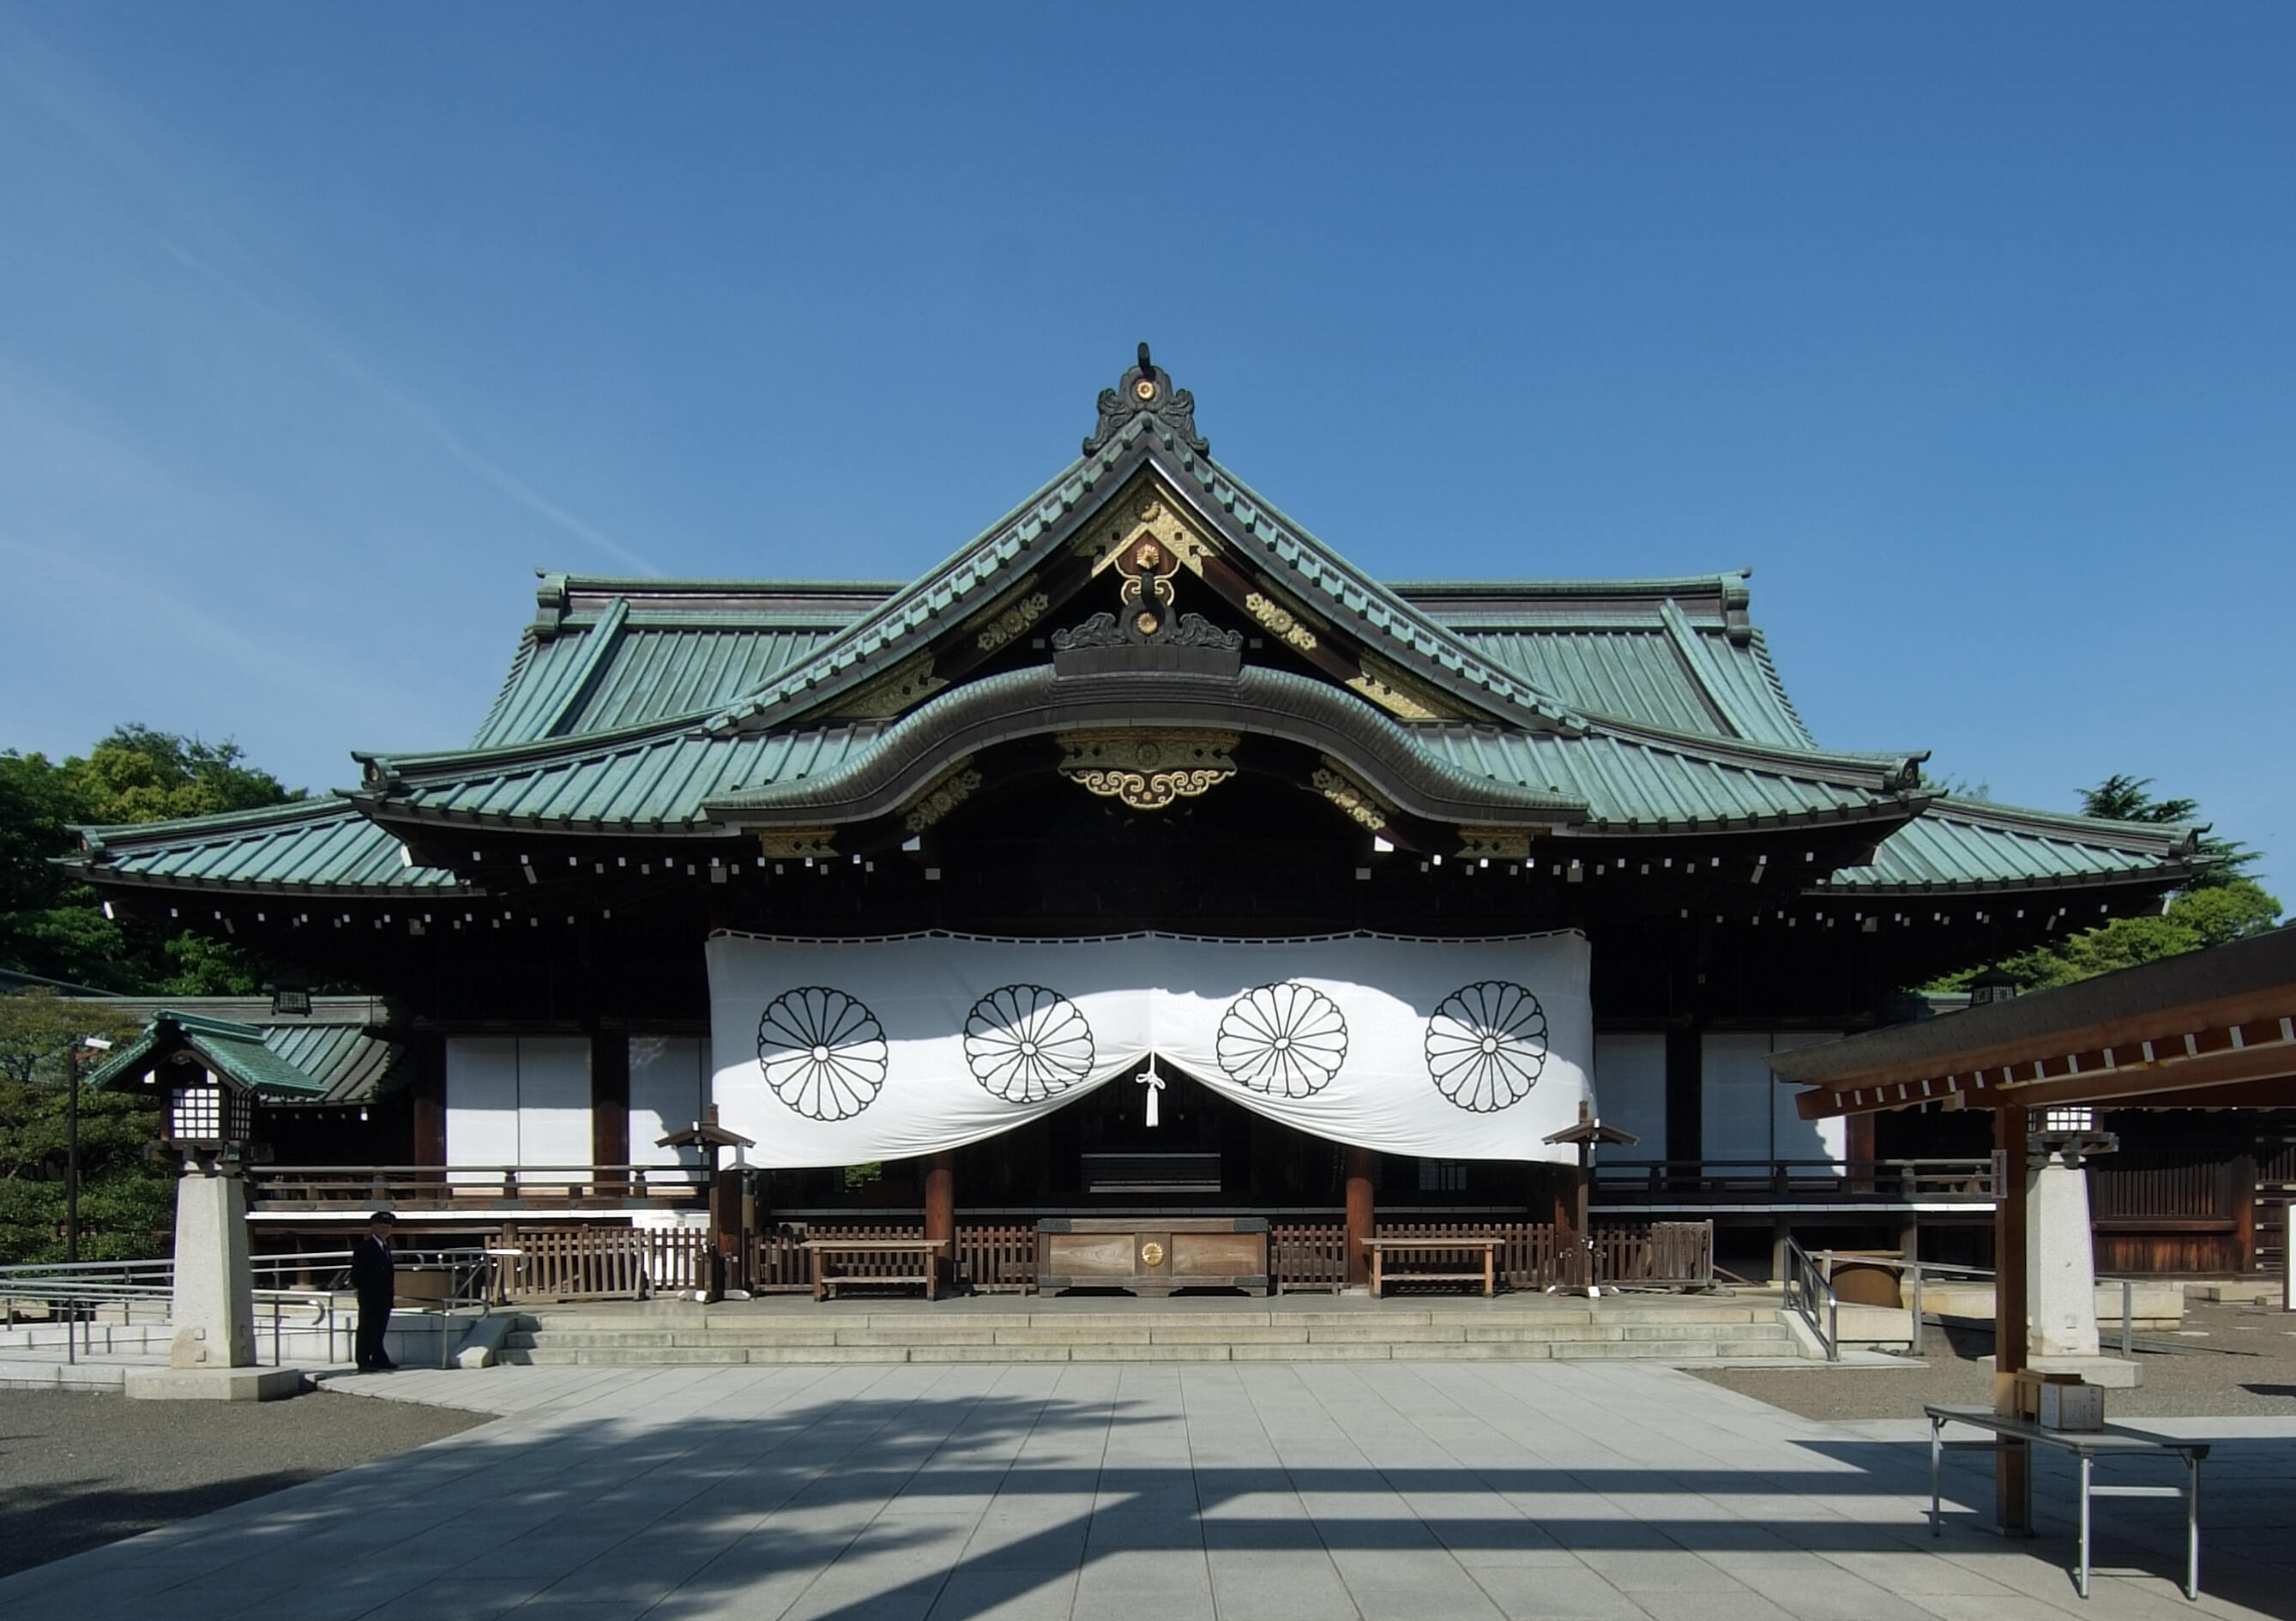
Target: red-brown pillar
[(940, 1208), (610, 1106), (2013, 1465), (1362, 1165), (430, 1098), (1858, 1149)]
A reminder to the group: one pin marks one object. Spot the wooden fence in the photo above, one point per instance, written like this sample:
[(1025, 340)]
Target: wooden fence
[(600, 1263), (591, 1262)]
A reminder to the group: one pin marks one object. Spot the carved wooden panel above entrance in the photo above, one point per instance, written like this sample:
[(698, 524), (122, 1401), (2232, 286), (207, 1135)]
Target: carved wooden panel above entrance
[(1148, 768)]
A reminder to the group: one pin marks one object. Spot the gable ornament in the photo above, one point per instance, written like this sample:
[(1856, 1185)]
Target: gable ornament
[(1147, 388), (1148, 768)]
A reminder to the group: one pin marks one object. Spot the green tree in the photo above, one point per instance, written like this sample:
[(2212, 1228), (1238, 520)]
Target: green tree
[(124, 1198), (2120, 798), (54, 927)]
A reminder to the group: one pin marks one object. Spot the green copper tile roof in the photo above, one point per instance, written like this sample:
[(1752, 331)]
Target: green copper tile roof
[(1018, 541), (653, 781), (663, 779), (313, 847), (223, 1045), (1632, 784), (1970, 844), (629, 666), (339, 1045)]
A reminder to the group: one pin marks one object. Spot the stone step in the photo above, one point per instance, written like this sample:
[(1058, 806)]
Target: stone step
[(1685, 1333), (1753, 1344), (825, 1336)]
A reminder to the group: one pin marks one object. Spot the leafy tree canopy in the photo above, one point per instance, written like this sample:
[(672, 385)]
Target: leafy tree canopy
[(125, 1199), (2125, 799), (54, 927)]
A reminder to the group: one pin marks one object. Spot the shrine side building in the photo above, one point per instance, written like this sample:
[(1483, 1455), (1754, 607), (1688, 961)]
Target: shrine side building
[(1143, 703)]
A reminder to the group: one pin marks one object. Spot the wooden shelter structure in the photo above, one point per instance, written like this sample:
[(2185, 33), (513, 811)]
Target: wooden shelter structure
[(1145, 699), (2213, 1030)]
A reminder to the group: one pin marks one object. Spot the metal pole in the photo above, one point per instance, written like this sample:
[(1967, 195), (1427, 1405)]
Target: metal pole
[(71, 1153), (2127, 1335)]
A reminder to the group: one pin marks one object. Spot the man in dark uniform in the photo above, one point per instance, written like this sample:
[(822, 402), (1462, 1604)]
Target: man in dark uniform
[(373, 1269)]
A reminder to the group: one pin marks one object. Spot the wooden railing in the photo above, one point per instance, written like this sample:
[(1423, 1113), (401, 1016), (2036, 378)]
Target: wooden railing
[(600, 1263), (1724, 1182), (996, 1260), (473, 1187), (1308, 1254)]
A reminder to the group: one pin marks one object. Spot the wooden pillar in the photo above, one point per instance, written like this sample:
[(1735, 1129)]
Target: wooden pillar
[(1857, 1148), (940, 1207), (732, 1270), (1685, 1094), (430, 1098), (2013, 1465), (1362, 1165), (610, 1105)]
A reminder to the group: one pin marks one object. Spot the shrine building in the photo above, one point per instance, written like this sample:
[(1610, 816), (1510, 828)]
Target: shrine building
[(1144, 854)]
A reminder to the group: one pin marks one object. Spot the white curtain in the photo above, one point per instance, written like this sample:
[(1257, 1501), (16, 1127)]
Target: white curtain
[(840, 1053)]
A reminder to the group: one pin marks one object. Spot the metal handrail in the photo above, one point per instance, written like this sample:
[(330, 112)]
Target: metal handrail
[(75, 1292), (1806, 1289)]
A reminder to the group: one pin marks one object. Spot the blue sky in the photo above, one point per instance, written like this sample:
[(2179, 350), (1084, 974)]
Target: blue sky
[(1969, 329)]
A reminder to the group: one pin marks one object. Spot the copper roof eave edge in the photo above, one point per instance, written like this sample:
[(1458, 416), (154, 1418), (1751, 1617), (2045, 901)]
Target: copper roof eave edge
[(454, 888), (1035, 702)]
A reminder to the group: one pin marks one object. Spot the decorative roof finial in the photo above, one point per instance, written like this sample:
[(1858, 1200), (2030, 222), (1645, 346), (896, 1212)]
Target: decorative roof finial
[(1147, 388)]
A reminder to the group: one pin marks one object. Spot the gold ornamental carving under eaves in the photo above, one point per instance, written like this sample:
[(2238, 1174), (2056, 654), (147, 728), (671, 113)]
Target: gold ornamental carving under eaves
[(1148, 768)]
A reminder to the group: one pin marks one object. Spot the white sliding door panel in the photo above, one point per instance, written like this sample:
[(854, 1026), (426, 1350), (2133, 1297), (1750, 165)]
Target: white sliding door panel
[(668, 1077), (554, 1100), (1630, 1091), (482, 1101)]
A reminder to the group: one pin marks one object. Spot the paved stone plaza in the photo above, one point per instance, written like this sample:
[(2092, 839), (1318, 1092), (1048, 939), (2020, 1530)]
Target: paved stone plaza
[(1416, 1491)]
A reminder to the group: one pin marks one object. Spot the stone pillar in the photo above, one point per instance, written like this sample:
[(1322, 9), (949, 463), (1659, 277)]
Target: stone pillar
[(212, 1357), (940, 1208), (2012, 1464), (2059, 1261), (214, 1311), (1362, 1165)]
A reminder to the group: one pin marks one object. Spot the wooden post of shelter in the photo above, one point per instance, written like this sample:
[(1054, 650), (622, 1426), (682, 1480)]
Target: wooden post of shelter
[(2012, 1464), (1575, 1268), (724, 1195), (1361, 1164)]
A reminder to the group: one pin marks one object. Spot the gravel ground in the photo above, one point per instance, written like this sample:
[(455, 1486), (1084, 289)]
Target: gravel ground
[(2238, 1361), (77, 1471)]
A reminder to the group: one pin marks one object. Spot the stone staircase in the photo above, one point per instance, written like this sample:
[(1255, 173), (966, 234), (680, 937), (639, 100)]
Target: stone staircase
[(681, 1334)]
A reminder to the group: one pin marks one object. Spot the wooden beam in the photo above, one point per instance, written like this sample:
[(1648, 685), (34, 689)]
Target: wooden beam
[(2155, 1025), (2221, 1059)]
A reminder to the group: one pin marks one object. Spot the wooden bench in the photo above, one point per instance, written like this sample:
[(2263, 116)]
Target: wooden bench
[(2088, 1445), (1381, 1249), (827, 1252)]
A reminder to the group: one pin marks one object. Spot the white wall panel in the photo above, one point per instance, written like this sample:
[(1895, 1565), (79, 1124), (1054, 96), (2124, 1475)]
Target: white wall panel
[(554, 1100), (1630, 1091), (668, 1080), (481, 1101)]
